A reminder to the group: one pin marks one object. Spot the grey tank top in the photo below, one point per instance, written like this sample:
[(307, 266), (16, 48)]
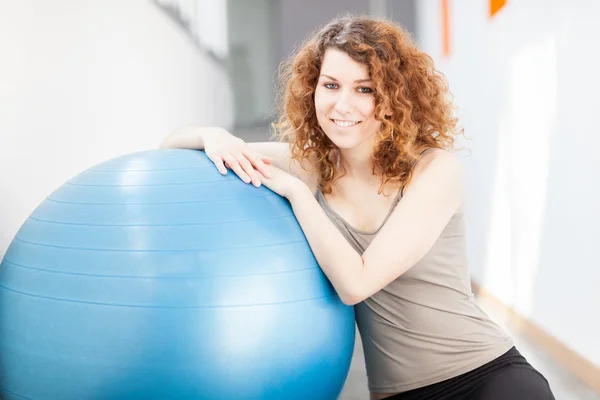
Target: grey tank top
[(424, 327)]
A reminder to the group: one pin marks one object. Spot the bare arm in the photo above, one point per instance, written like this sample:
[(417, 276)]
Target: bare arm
[(276, 153), (281, 155), (432, 197), (189, 137)]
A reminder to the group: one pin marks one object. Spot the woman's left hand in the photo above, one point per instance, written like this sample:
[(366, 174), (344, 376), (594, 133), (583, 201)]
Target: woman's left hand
[(281, 182)]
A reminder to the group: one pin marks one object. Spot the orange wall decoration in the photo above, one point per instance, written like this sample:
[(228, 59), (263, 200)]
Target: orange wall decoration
[(495, 6), (445, 27)]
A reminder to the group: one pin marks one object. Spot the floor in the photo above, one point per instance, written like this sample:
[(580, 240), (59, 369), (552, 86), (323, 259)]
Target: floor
[(564, 385)]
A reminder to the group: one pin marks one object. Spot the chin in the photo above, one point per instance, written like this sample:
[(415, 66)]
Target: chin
[(342, 141)]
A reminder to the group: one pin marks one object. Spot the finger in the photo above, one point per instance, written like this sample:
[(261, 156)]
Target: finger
[(235, 166), (259, 164), (246, 163), (218, 161), (262, 167)]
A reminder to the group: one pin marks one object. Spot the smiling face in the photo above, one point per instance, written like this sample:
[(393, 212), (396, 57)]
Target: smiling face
[(345, 101)]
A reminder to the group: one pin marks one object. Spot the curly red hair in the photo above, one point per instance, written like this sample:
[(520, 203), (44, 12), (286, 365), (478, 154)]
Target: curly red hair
[(405, 82)]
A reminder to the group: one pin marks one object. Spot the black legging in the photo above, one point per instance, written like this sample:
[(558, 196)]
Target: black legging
[(508, 377)]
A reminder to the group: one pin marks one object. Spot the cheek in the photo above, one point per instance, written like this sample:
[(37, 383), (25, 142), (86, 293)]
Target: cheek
[(367, 107), (320, 110), (322, 102)]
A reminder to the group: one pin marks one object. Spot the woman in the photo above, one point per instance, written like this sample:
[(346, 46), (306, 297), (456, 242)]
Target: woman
[(369, 173)]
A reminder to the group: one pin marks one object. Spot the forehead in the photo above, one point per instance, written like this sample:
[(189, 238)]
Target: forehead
[(341, 66)]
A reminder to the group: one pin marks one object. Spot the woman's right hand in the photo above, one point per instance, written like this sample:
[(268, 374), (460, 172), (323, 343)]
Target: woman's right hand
[(227, 151)]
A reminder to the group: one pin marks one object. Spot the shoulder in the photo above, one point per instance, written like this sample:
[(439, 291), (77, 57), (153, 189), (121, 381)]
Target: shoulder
[(439, 168), (439, 161)]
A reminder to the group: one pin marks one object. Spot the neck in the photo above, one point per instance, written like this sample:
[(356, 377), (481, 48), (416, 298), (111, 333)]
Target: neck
[(357, 163)]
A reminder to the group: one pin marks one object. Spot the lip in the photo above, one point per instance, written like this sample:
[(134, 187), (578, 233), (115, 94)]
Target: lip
[(344, 120)]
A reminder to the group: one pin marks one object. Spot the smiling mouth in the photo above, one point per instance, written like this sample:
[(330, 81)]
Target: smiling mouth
[(345, 124)]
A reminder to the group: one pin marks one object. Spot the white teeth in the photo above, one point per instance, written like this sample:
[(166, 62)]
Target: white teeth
[(345, 123)]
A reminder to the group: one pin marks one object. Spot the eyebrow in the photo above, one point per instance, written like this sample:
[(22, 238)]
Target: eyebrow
[(356, 81)]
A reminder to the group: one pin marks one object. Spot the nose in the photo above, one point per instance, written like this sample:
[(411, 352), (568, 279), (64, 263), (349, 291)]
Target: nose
[(343, 105)]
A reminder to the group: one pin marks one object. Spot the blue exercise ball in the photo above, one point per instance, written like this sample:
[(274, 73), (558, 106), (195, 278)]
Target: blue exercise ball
[(153, 276)]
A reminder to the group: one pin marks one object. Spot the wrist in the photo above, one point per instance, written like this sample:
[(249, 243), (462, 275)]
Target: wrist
[(298, 191), (213, 132), (208, 135)]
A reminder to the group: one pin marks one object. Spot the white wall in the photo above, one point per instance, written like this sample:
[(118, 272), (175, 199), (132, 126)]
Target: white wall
[(527, 85), (85, 81)]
